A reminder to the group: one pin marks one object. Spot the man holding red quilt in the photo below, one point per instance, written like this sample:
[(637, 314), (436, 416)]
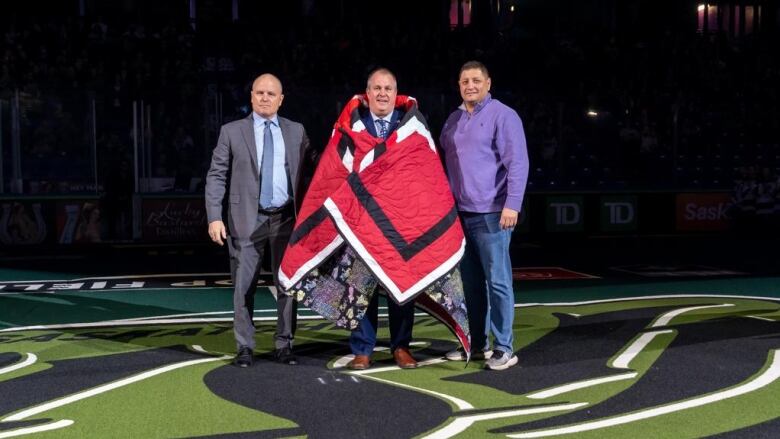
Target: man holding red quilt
[(379, 216)]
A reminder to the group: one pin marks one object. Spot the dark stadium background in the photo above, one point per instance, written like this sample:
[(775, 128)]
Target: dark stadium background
[(643, 118)]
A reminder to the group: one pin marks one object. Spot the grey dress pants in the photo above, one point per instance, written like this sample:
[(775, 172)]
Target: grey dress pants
[(246, 255)]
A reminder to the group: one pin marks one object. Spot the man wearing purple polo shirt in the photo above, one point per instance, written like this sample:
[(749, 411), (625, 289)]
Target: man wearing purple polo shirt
[(487, 166)]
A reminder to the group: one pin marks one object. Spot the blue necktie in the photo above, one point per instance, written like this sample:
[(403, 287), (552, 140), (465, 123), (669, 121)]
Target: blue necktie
[(382, 128), (267, 168)]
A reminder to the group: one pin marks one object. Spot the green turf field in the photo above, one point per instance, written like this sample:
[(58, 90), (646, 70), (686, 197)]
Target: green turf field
[(599, 358)]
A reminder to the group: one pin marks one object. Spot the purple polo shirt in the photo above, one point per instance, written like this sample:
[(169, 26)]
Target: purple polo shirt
[(486, 157)]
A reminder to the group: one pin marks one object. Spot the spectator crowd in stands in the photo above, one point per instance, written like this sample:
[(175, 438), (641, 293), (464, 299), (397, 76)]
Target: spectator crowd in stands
[(756, 203), (671, 109)]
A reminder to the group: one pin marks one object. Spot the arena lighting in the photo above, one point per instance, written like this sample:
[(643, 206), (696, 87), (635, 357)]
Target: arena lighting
[(700, 7), (592, 113), (512, 8)]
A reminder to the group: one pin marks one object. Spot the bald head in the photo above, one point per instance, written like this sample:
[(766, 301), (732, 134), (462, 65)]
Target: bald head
[(268, 77), (266, 95)]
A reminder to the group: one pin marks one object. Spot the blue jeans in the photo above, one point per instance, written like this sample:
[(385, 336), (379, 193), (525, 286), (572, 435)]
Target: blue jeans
[(487, 281), (363, 339)]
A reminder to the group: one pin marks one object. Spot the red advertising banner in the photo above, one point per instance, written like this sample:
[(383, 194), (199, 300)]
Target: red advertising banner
[(703, 212), (173, 219), (548, 273)]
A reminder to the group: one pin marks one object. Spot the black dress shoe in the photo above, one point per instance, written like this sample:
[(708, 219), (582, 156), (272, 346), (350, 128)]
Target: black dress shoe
[(244, 358), (285, 356)]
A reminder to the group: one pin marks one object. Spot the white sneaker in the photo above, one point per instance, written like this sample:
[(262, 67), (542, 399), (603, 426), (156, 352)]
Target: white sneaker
[(500, 360), (460, 355)]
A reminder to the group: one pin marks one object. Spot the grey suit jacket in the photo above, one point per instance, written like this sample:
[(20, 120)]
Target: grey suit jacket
[(233, 180)]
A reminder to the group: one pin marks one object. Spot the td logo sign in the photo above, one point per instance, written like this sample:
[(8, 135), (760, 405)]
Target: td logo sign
[(618, 213), (565, 214)]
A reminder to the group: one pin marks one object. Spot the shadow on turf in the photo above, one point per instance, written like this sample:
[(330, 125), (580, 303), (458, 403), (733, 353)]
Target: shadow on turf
[(328, 403)]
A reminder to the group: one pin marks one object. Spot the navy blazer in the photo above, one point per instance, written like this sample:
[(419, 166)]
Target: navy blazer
[(395, 120)]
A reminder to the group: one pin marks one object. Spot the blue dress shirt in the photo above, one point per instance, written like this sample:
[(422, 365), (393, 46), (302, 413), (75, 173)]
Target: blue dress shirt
[(280, 196)]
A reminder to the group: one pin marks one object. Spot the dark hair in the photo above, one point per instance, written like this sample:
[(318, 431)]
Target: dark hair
[(474, 65), (383, 70)]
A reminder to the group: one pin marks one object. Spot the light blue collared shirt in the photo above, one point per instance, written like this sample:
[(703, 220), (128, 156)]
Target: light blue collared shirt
[(280, 175)]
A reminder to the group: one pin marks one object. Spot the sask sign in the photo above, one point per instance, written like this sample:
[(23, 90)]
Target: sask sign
[(703, 212)]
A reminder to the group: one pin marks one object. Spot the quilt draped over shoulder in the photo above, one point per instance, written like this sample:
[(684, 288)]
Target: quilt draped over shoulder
[(378, 213)]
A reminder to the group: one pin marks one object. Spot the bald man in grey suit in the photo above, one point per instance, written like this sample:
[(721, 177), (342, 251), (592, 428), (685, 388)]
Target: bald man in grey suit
[(255, 176)]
